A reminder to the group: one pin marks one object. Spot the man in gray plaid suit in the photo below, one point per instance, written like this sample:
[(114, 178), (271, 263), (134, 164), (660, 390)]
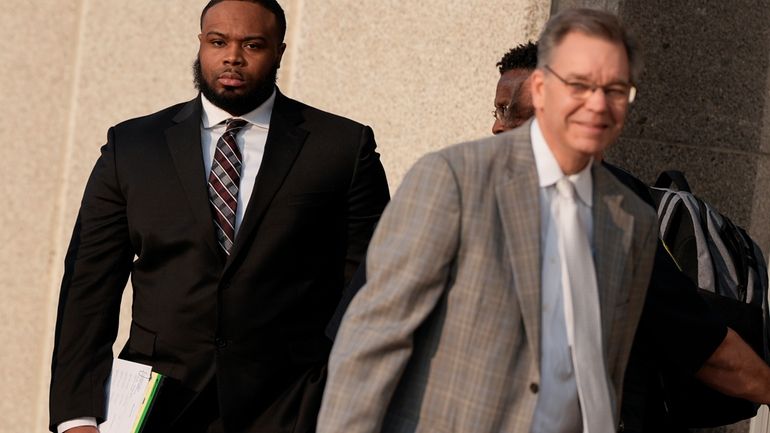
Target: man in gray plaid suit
[(465, 323)]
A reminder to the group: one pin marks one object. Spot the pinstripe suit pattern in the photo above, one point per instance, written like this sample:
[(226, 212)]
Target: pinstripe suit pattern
[(445, 335)]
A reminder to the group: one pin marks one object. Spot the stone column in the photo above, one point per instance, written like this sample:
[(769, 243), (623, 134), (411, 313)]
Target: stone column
[(607, 5)]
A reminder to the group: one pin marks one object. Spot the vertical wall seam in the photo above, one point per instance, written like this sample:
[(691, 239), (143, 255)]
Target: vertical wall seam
[(541, 11), (57, 225), (295, 34), (759, 210)]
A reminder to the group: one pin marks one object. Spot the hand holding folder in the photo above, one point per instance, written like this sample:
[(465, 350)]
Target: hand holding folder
[(131, 391)]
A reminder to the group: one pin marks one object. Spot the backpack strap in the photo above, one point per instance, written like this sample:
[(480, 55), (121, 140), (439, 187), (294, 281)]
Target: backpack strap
[(727, 256), (669, 178), (669, 202)]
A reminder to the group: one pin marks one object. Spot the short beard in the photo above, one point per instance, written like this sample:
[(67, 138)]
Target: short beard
[(236, 104)]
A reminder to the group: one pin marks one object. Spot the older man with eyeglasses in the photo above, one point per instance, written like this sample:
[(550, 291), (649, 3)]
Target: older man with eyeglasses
[(677, 330), (507, 276)]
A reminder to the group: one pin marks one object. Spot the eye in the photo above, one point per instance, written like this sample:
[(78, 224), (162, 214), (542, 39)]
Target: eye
[(616, 91), (217, 42), (253, 45), (499, 112), (579, 88)]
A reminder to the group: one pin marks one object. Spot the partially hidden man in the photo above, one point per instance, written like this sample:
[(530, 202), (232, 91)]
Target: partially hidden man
[(485, 238), (239, 217)]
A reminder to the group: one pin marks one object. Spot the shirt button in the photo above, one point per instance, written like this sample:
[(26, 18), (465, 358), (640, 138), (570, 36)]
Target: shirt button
[(534, 387)]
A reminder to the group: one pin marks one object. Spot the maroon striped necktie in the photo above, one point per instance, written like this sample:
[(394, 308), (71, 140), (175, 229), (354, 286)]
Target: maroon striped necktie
[(224, 179)]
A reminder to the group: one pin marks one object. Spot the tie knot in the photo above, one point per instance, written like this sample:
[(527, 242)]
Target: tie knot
[(565, 188), (234, 125)]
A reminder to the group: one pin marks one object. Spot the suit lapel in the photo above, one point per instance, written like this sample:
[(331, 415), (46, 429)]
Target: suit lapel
[(519, 205), (184, 143), (613, 229), (284, 142)]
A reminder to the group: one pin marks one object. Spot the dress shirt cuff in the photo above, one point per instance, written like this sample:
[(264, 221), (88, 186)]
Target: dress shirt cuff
[(77, 422)]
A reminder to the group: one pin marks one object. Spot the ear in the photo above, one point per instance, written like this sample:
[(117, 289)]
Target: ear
[(537, 83), (281, 50)]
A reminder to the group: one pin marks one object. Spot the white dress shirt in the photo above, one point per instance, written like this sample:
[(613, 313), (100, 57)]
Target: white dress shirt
[(558, 407), (251, 141)]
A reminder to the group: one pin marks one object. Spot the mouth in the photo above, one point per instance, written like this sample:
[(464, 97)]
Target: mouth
[(596, 127), (231, 79)]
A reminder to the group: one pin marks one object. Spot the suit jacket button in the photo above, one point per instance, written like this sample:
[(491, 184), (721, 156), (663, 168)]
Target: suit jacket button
[(220, 342), (534, 387), (225, 285)]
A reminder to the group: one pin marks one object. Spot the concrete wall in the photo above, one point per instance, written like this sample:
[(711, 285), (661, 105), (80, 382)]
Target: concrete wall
[(421, 73)]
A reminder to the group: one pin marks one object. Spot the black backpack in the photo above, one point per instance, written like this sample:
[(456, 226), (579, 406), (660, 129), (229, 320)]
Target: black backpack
[(731, 272)]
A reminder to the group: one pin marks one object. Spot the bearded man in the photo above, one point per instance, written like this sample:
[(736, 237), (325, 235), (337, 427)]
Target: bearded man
[(239, 216)]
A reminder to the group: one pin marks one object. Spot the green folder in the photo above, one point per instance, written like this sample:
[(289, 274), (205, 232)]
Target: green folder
[(156, 379)]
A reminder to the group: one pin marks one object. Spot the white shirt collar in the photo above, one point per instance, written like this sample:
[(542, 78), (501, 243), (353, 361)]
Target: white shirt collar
[(260, 116), (549, 172)]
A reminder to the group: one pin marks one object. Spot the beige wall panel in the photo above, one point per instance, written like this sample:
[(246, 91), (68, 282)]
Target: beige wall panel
[(133, 58), (292, 9), (421, 73), (38, 48)]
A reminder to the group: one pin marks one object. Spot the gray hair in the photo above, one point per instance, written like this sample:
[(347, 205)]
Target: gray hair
[(590, 22)]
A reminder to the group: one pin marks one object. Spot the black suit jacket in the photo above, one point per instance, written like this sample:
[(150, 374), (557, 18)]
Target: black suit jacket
[(254, 321)]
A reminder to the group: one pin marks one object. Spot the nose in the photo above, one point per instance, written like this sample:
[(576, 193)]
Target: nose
[(597, 100), (234, 55), (498, 127)]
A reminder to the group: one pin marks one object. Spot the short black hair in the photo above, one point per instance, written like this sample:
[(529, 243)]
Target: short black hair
[(271, 5), (523, 56)]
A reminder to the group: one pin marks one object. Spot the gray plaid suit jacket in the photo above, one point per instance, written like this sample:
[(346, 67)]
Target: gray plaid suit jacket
[(445, 335)]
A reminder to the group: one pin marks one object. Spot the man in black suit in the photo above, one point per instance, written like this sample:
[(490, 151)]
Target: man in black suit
[(237, 247)]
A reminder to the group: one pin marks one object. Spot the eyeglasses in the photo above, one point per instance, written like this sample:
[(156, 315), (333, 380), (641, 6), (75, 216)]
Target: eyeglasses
[(499, 112), (615, 93)]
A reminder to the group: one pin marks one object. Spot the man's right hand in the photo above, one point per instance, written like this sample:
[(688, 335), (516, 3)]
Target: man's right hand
[(83, 429)]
